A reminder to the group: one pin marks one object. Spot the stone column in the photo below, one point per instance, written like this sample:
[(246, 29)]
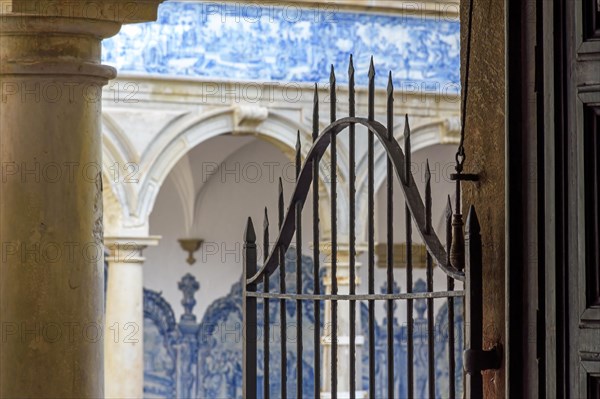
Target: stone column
[(51, 274), (123, 342), (343, 325)]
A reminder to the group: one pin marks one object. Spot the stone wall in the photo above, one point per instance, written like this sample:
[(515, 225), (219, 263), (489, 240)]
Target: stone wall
[(485, 140)]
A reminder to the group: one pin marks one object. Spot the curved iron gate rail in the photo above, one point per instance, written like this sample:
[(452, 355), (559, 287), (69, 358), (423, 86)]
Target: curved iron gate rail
[(420, 211)]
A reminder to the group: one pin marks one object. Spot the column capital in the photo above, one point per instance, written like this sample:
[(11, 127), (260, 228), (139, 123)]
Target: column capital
[(128, 249), (67, 35)]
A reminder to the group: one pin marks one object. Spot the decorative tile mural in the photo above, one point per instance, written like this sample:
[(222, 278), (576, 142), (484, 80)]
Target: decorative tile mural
[(204, 360), (248, 42), (161, 336)]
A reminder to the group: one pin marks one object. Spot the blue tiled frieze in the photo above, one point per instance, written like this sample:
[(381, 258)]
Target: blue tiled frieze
[(288, 44)]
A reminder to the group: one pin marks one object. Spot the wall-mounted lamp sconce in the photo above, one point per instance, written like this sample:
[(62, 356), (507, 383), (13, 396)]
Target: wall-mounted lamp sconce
[(190, 245)]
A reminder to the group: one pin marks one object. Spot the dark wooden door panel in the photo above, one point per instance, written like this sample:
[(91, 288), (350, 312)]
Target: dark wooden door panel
[(591, 20), (589, 374), (591, 272), (583, 174)]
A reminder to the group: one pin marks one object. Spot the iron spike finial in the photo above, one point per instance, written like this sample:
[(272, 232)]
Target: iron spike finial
[(280, 187), (332, 95), (249, 234), (351, 90), (266, 239), (390, 108), (407, 148), (407, 151), (332, 75), (427, 197), (280, 203), (298, 155), (406, 136), (266, 221), (315, 132), (473, 226), (448, 231), (371, 112)]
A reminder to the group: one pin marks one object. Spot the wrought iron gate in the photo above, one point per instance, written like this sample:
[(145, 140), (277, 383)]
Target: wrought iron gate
[(457, 251)]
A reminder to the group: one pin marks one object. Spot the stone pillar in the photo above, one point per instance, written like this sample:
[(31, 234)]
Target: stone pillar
[(343, 326), (51, 274), (123, 343)]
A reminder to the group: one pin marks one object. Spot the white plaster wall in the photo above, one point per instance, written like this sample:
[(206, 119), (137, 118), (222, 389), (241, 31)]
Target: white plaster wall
[(246, 182)]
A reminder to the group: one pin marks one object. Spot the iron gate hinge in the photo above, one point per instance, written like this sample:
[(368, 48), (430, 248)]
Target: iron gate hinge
[(475, 361)]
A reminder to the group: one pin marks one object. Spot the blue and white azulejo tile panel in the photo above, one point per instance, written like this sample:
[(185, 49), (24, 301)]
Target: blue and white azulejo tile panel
[(187, 359), (247, 42)]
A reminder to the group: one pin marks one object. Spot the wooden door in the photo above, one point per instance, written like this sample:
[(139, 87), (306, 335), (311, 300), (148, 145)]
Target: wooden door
[(583, 208)]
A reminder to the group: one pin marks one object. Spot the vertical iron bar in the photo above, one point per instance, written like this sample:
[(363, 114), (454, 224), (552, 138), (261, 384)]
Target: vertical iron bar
[(474, 300), (352, 229), (282, 309), (266, 312), (430, 320), (409, 271), (299, 348), (450, 282), (390, 242), (334, 288), (371, 232), (250, 310), (316, 279)]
